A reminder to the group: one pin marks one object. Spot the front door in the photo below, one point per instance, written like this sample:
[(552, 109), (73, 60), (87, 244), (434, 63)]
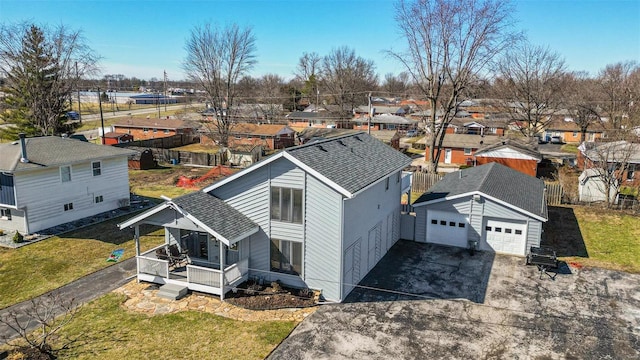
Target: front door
[(447, 156)]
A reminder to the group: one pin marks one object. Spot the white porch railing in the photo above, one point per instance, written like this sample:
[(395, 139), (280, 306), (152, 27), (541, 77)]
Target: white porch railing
[(236, 271), (203, 276), (151, 266)]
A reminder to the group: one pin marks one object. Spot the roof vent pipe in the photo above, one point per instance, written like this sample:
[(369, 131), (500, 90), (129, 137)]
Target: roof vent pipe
[(23, 148)]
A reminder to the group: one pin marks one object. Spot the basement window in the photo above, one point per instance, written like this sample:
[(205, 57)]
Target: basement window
[(99, 199), (68, 206), (5, 214)]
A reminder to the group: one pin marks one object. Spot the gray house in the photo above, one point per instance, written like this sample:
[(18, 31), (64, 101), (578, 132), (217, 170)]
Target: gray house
[(320, 215), (489, 207)]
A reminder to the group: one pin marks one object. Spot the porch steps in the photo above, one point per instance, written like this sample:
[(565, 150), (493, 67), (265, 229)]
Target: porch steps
[(172, 291)]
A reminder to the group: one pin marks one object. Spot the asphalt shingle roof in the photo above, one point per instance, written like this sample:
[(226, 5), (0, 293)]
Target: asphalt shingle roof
[(495, 180), (352, 161), (48, 151), (216, 214)]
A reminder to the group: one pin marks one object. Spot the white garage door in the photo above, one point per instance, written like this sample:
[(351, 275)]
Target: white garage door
[(505, 237), (447, 228)]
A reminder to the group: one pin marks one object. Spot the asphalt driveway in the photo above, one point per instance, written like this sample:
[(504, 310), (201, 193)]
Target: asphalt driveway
[(441, 303)]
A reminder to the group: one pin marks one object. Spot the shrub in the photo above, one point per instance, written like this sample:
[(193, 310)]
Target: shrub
[(1, 232), (17, 237)]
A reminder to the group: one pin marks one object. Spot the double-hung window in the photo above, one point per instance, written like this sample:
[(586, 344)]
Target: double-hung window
[(65, 173), (286, 256), (286, 205), (96, 167)]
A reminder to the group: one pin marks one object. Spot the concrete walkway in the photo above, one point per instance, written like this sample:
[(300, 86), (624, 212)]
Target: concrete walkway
[(81, 291)]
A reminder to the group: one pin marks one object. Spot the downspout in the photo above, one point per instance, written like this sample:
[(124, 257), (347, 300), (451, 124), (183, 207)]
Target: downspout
[(137, 239), (222, 264)]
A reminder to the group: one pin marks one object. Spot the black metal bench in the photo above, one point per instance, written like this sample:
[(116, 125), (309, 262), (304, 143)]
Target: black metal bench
[(545, 259)]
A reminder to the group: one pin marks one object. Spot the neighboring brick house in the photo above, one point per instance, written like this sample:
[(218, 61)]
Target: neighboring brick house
[(569, 131), (143, 129), (385, 122), (113, 138), (270, 136), (389, 137), (513, 154), (459, 149), (477, 127)]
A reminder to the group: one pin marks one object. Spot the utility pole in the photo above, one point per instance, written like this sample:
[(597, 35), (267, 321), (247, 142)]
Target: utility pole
[(165, 90), (78, 88), (101, 117), (370, 115)]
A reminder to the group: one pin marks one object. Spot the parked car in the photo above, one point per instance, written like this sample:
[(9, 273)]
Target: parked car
[(542, 140), (556, 140), (73, 115), (412, 133)]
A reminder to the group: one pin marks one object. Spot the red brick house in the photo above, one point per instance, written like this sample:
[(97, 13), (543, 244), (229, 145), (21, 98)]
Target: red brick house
[(476, 127), (270, 136), (513, 154), (113, 138), (459, 149), (620, 156), (143, 129)]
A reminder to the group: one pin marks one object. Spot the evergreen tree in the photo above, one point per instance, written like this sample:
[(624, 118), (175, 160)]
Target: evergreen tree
[(39, 68)]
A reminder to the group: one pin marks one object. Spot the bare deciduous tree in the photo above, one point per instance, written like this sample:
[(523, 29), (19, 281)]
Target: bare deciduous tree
[(581, 97), (216, 59), (347, 77), (530, 85), (306, 75), (619, 85), (39, 325), (448, 44), (42, 67), (396, 85)]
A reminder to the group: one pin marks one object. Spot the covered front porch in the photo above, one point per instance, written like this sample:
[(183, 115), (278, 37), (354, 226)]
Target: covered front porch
[(200, 252)]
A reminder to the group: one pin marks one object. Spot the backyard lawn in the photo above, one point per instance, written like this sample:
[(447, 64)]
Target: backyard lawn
[(35, 269), (592, 236), (107, 331)]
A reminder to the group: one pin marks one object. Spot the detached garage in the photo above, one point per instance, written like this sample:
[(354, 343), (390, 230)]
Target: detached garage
[(489, 207)]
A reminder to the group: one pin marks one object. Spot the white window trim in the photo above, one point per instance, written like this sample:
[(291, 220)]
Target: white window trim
[(99, 168), (70, 173)]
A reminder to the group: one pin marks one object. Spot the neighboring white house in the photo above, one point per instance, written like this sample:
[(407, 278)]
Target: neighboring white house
[(489, 207), (320, 215), (592, 188), (48, 181)]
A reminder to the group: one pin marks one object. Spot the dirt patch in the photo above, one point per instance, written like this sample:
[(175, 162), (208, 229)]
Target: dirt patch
[(252, 295), (164, 175)]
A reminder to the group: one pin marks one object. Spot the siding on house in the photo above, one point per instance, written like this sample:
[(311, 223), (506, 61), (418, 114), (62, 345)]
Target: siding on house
[(322, 250), (44, 194)]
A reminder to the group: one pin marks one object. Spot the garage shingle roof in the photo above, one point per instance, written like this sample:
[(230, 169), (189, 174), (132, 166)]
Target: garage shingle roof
[(495, 180), (216, 214), (352, 161)]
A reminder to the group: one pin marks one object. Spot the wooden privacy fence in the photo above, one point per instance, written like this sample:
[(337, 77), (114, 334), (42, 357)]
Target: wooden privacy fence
[(421, 182), (187, 157), (554, 193), (164, 142)]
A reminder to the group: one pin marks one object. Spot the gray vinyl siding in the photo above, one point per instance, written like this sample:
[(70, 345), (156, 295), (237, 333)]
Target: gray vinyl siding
[(495, 210), (368, 212), (322, 252), (534, 232), (44, 194), (249, 194), (421, 224)]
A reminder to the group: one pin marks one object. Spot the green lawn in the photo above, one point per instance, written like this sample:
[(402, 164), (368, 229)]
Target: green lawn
[(107, 331), (35, 269), (612, 239), (570, 148)]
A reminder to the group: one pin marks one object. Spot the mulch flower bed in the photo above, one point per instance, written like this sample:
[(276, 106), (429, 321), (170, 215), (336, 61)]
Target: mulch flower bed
[(251, 295)]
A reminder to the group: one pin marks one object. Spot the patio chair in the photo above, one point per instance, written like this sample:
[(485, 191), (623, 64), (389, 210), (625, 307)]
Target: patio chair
[(176, 256), (161, 254)]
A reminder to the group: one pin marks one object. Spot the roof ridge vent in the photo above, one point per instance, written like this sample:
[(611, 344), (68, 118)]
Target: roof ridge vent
[(321, 148), (341, 143)]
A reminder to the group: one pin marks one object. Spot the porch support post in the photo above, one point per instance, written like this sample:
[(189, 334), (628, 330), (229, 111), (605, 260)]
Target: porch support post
[(136, 237), (222, 263)]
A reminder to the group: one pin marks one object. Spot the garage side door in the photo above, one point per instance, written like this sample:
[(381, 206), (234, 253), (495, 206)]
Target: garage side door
[(505, 237), (447, 228)]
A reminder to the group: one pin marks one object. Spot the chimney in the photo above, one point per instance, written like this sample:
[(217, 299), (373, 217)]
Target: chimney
[(23, 148)]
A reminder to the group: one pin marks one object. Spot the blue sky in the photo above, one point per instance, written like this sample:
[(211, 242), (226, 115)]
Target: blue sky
[(142, 38)]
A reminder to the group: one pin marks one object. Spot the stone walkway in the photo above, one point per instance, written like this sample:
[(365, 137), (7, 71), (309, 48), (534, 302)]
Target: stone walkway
[(142, 298)]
